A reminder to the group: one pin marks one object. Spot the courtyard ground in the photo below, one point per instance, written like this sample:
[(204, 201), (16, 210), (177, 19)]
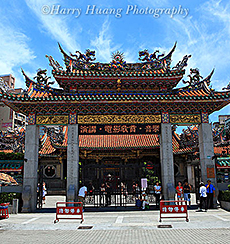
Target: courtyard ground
[(116, 227)]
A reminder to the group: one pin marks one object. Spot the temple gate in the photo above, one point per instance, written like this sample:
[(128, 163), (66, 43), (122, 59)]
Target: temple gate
[(112, 99)]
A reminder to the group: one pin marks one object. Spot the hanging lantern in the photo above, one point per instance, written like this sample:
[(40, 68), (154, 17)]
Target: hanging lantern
[(149, 165)]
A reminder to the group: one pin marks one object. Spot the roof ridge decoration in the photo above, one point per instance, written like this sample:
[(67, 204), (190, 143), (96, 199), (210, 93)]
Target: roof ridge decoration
[(55, 134), (42, 83), (118, 61), (227, 87), (42, 78), (54, 64), (78, 56), (80, 61), (194, 77), (183, 63), (196, 82)]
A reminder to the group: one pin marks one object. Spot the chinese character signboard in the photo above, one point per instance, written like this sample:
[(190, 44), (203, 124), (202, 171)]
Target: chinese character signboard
[(210, 172), (121, 129), (69, 210), (173, 209)]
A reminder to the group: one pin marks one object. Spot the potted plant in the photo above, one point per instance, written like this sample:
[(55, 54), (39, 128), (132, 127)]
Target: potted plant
[(225, 199)]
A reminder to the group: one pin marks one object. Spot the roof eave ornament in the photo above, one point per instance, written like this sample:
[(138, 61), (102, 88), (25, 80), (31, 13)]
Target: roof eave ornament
[(194, 77), (56, 66), (196, 82), (227, 87), (156, 60), (183, 63), (42, 78)]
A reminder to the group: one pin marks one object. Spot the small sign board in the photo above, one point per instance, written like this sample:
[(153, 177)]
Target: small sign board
[(69, 210), (210, 172), (118, 129), (173, 209)]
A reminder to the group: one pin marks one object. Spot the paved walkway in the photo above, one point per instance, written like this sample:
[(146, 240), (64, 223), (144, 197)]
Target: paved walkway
[(117, 227)]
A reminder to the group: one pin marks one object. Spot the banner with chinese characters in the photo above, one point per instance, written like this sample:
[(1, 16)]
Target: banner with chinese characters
[(121, 129), (174, 209)]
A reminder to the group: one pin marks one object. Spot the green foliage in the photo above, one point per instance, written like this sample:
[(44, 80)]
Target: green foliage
[(6, 197), (150, 175), (225, 196), (11, 156), (229, 187)]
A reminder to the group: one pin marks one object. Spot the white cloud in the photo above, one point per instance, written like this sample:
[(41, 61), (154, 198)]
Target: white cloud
[(103, 43), (219, 11), (55, 24), (15, 51), (208, 44), (155, 3)]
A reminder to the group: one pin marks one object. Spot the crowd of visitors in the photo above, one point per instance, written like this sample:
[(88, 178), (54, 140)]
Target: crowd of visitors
[(206, 194), (140, 195)]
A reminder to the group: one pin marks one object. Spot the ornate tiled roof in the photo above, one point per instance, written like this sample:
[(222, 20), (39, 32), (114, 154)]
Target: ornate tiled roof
[(117, 88), (223, 163), (183, 100), (152, 72), (110, 142)]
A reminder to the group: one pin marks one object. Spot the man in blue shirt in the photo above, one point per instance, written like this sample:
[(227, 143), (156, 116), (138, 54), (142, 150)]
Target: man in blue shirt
[(210, 194)]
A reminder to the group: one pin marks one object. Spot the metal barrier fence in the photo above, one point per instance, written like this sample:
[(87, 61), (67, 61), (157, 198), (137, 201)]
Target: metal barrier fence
[(100, 199)]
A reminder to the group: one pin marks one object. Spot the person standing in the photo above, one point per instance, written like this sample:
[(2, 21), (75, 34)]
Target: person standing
[(102, 194), (82, 193), (44, 192), (203, 197), (91, 190), (157, 190), (108, 194), (210, 194), (187, 190), (134, 189), (179, 191)]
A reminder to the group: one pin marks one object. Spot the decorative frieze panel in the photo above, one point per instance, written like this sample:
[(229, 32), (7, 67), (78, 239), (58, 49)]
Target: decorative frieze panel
[(119, 119), (52, 120), (165, 117), (205, 118), (73, 118), (185, 118), (32, 119)]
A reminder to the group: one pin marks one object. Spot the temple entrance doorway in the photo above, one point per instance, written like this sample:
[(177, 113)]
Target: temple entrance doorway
[(110, 181)]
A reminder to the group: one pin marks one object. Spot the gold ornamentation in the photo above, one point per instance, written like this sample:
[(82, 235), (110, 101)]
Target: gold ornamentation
[(119, 119), (185, 118), (52, 120)]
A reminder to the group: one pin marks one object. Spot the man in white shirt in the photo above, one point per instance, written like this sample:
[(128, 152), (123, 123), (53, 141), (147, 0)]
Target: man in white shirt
[(203, 197), (82, 193)]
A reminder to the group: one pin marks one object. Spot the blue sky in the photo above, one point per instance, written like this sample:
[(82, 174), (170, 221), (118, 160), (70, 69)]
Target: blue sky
[(27, 34)]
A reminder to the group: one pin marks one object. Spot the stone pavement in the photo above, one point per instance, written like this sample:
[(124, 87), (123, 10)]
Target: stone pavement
[(117, 227)]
